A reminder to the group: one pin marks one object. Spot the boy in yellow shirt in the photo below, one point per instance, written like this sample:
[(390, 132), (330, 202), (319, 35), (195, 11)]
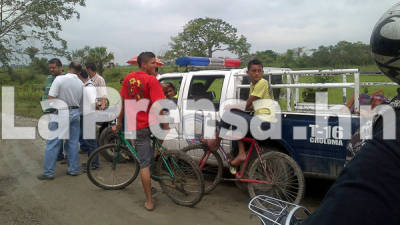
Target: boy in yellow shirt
[(259, 89)]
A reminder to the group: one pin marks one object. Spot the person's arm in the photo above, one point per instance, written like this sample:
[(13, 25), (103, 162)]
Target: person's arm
[(54, 89), (249, 102), (103, 103), (124, 95), (157, 93), (104, 95), (247, 106), (120, 117)]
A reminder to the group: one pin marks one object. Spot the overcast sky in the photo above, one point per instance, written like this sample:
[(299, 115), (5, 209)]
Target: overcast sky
[(128, 27)]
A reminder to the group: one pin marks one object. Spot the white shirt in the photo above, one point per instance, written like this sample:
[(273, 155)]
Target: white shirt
[(89, 98), (68, 88)]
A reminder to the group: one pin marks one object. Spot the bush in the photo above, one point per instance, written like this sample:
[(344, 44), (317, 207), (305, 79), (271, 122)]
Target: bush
[(113, 74)]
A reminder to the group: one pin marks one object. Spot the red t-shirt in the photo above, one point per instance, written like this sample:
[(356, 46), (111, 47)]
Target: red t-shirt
[(140, 86)]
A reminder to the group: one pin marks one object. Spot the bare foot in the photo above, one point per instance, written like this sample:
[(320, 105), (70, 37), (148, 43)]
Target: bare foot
[(149, 206), (238, 160)]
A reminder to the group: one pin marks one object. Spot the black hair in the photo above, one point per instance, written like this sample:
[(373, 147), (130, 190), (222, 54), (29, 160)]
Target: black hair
[(76, 66), (156, 69), (91, 65), (55, 61), (84, 74), (254, 62), (171, 85), (144, 57)]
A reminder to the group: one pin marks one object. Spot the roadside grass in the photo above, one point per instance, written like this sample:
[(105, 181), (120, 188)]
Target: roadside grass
[(335, 95)]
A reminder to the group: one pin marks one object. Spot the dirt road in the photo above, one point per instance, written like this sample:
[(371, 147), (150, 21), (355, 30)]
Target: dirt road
[(75, 201)]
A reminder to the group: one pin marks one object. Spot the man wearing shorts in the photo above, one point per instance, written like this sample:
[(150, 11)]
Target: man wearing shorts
[(259, 91), (136, 87)]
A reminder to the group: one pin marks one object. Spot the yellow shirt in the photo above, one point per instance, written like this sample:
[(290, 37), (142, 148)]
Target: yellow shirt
[(263, 105)]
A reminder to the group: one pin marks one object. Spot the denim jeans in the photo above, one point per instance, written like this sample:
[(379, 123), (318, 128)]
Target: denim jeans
[(88, 145), (82, 143), (70, 146)]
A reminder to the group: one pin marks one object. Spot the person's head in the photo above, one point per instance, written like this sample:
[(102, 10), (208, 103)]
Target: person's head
[(147, 62), (91, 68), (75, 68), (255, 70), (83, 75), (169, 90), (55, 67)]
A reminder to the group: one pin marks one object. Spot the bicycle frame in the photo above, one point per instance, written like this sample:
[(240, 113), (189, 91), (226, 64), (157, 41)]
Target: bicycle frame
[(156, 144), (239, 176)]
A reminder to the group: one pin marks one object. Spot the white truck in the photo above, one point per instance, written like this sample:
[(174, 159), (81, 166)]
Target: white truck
[(316, 156)]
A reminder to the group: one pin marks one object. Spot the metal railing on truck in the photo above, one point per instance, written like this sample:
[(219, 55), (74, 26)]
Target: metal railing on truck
[(293, 83)]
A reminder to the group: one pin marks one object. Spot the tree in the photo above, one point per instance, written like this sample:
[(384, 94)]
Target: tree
[(31, 52), (38, 21), (267, 57), (204, 36), (98, 55), (79, 55), (39, 65)]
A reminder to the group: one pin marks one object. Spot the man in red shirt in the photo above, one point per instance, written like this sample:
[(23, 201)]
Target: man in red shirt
[(139, 91)]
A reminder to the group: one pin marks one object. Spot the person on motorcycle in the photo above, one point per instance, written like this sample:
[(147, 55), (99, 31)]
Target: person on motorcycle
[(367, 190)]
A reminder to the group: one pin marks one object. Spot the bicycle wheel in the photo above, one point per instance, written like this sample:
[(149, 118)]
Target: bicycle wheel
[(212, 170), (107, 136), (185, 184), (112, 174), (284, 178)]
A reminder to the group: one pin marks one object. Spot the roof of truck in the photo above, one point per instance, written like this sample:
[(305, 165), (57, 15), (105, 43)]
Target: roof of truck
[(210, 72)]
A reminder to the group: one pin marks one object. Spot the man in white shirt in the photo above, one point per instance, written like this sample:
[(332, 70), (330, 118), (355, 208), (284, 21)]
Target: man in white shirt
[(67, 88)]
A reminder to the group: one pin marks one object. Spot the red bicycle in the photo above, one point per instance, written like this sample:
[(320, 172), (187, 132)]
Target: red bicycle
[(265, 171)]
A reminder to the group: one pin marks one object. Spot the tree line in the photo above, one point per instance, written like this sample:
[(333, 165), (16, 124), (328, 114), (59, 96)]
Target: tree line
[(343, 53)]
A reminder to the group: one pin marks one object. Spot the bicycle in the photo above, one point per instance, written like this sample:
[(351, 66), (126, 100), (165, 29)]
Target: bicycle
[(275, 211), (271, 173), (178, 175)]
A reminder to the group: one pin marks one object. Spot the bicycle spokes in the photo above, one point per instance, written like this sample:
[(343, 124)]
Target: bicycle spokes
[(282, 179)]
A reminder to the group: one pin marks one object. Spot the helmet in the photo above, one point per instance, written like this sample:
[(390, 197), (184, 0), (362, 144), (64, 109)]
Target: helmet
[(385, 43)]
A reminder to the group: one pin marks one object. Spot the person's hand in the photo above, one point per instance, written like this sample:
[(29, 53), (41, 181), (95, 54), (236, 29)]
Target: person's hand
[(116, 128)]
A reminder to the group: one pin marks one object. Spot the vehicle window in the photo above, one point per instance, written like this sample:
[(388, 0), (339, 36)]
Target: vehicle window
[(244, 92), (206, 87), (175, 81)]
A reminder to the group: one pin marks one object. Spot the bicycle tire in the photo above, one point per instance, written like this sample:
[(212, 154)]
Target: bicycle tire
[(286, 177), (183, 168), (107, 136), (128, 169), (243, 186), (212, 173)]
